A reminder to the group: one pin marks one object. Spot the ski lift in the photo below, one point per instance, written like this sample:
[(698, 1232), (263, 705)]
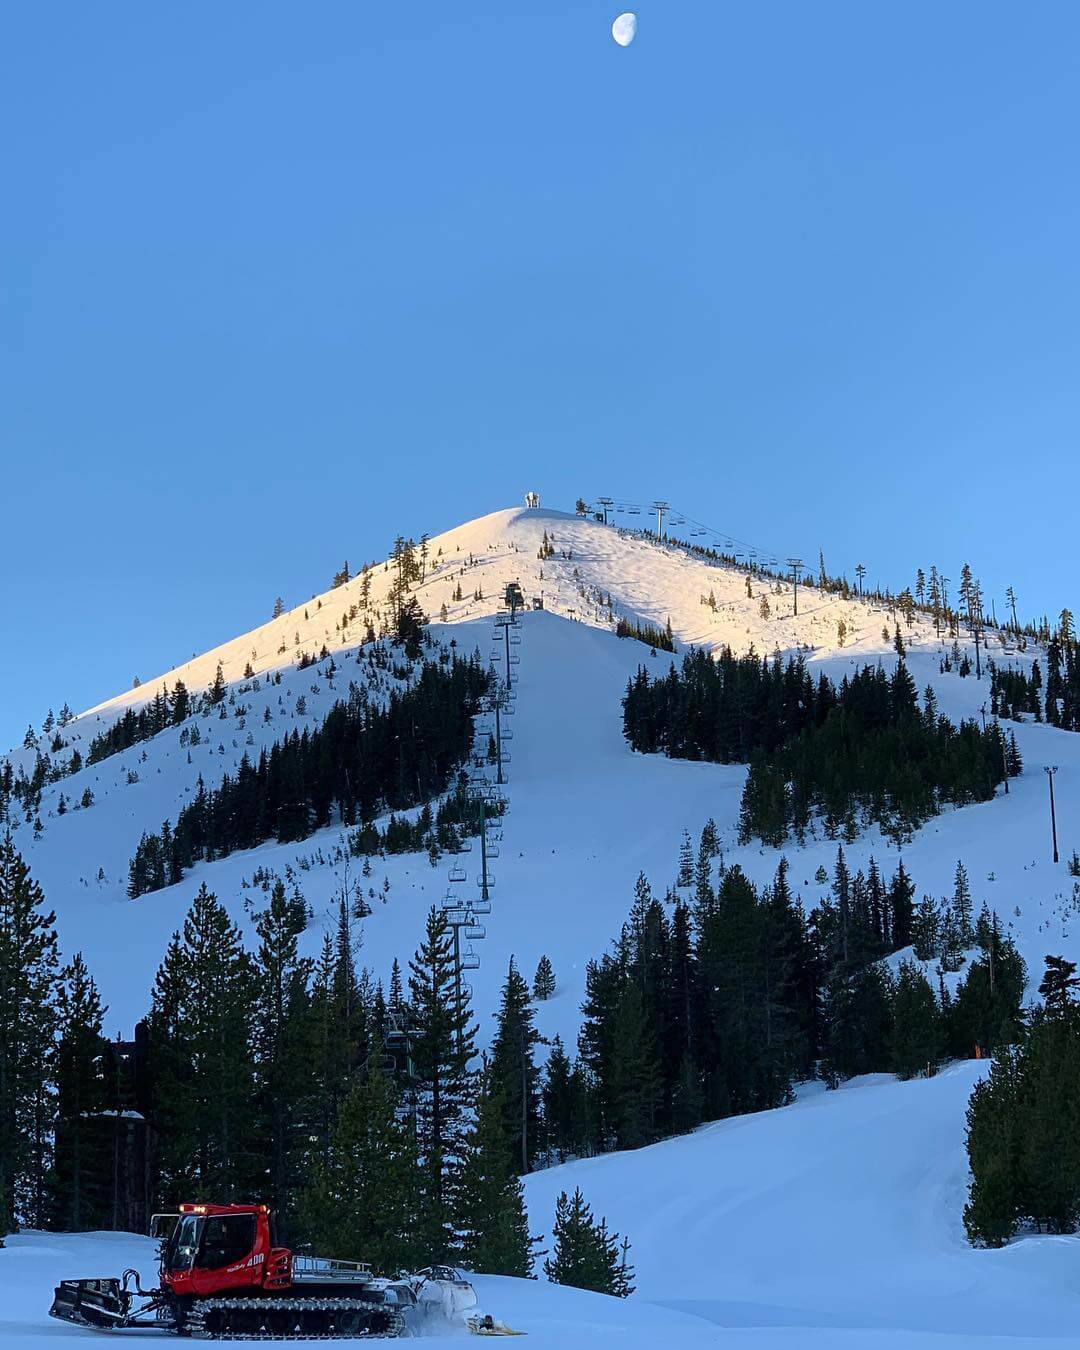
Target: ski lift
[(469, 959), (481, 906), (633, 510), (490, 880), (457, 873), (492, 850), (475, 932)]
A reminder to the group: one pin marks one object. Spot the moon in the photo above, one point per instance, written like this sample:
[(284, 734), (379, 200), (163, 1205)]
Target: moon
[(624, 29)]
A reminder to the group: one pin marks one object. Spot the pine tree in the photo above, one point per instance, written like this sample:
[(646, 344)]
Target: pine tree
[(687, 1098), (219, 688), (515, 1078), (993, 1145), (493, 1226), (82, 1163), (201, 1028), (962, 906), (916, 1024), (901, 909), (544, 980), (364, 1202), (283, 1045), (557, 1098), (28, 1024), (443, 1037), (986, 1014), (686, 861), (1059, 984), (635, 1087), (586, 1255)]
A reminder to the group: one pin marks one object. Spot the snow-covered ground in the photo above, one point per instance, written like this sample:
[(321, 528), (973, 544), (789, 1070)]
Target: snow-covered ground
[(837, 1219), (552, 1317), (831, 1223)]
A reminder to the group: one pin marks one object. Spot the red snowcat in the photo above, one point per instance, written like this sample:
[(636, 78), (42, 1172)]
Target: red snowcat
[(223, 1276)]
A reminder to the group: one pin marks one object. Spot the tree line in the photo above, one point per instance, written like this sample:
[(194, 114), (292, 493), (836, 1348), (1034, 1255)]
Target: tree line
[(1022, 1139), (366, 758), (861, 751), (364, 1116), (718, 1001), (1017, 694)]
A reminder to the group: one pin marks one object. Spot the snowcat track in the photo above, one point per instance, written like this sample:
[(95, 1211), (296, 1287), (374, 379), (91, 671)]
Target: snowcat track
[(207, 1314)]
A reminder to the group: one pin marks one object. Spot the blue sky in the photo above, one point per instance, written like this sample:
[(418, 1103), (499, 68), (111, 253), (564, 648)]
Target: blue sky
[(281, 281)]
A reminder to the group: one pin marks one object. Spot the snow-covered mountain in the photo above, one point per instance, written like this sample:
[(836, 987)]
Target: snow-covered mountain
[(586, 816)]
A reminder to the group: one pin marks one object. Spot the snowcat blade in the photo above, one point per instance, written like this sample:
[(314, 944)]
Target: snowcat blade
[(89, 1303)]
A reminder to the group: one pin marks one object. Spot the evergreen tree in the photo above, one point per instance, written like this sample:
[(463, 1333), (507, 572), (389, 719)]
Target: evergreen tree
[(443, 1037), (901, 908), (962, 906), (82, 1163), (283, 1045), (986, 1014), (586, 1255), (1059, 984), (557, 1099), (202, 1078), (515, 1078), (686, 861), (993, 1145), (493, 1227), (544, 980), (364, 1202), (28, 1025), (916, 1024), (635, 1072), (688, 1098), (218, 688)]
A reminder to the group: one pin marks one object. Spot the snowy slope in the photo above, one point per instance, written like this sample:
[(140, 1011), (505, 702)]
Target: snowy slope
[(586, 814), (829, 1225), (836, 1219), (32, 1263)]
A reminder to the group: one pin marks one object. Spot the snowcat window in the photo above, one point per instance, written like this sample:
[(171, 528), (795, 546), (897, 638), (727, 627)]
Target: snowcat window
[(185, 1243), (227, 1238)]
